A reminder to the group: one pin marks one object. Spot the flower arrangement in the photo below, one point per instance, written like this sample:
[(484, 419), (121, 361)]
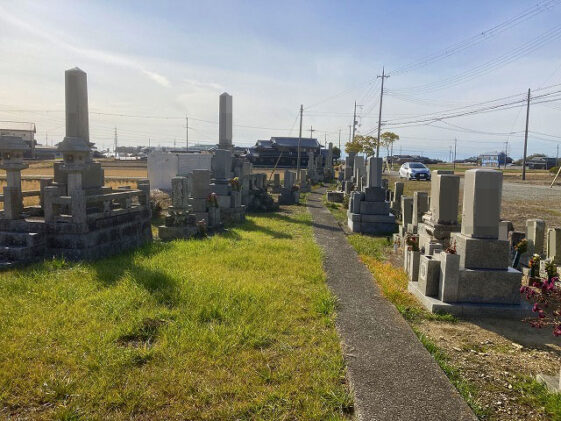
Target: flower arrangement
[(522, 246), (451, 249), (235, 184), (202, 228), (212, 200), (412, 242), (519, 250), (534, 265)]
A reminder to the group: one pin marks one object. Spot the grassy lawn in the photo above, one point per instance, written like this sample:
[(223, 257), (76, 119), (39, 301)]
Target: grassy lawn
[(236, 326)]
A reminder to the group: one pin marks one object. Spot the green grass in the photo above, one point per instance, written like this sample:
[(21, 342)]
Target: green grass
[(236, 326), (466, 389), (535, 394)]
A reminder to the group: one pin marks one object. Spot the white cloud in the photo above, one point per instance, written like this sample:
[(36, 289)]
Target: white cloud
[(106, 57)]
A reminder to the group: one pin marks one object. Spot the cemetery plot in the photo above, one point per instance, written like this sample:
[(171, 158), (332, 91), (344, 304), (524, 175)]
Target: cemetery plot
[(230, 327)]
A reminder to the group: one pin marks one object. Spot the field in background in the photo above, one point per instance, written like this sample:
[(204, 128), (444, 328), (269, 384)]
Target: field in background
[(120, 173)]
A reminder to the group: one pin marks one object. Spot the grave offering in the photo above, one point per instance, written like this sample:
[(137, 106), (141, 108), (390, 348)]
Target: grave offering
[(78, 218), (369, 212), (289, 192), (474, 277)]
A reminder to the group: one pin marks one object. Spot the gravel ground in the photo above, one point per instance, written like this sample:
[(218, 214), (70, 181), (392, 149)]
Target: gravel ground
[(521, 200)]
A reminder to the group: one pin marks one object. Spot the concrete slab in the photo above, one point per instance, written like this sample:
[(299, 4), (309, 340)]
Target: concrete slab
[(496, 311)]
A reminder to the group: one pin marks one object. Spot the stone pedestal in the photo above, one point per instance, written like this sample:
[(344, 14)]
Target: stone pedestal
[(442, 218), (369, 213), (429, 275)]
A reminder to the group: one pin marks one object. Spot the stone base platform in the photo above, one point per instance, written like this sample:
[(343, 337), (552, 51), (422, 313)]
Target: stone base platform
[(489, 286), (23, 241), (233, 215), (109, 236), (335, 196), (371, 224), (177, 233), (500, 311), (289, 197), (551, 382), (476, 253)]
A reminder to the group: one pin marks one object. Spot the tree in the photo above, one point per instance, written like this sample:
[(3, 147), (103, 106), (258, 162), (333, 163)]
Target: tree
[(388, 138), (368, 144), (353, 147), (336, 152)]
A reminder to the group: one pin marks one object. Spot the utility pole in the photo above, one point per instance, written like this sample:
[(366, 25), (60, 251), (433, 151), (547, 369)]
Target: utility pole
[(340, 141), (526, 137), (311, 131), (148, 143), (299, 142), (47, 138), (506, 153), (186, 132), (557, 156), (174, 143), (116, 143), (380, 113), (354, 124), (455, 149)]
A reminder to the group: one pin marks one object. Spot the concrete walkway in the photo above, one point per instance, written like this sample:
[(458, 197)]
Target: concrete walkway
[(392, 374)]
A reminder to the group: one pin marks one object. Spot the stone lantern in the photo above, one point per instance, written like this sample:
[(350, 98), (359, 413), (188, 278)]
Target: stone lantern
[(12, 149), (76, 155)]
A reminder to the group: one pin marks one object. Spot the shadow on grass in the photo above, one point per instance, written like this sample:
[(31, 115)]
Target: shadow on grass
[(161, 286), (250, 226)]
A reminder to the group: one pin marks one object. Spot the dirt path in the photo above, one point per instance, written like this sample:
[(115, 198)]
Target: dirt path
[(392, 374)]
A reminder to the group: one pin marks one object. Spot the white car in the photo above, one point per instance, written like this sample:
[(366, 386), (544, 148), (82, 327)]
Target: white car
[(414, 171)]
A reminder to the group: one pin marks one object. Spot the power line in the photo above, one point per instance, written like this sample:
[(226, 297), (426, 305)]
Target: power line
[(489, 65), (477, 38)]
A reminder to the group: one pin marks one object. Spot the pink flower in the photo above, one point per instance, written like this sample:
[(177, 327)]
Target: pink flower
[(536, 308), (557, 330)]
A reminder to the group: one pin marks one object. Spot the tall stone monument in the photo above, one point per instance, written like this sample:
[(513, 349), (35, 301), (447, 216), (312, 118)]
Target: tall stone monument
[(225, 122)]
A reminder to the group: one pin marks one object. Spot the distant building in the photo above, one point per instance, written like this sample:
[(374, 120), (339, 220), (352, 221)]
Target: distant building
[(489, 159), (47, 152), (284, 150), (24, 130), (541, 163)]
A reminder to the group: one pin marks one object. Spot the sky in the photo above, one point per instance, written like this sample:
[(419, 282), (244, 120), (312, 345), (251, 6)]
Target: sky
[(151, 63)]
